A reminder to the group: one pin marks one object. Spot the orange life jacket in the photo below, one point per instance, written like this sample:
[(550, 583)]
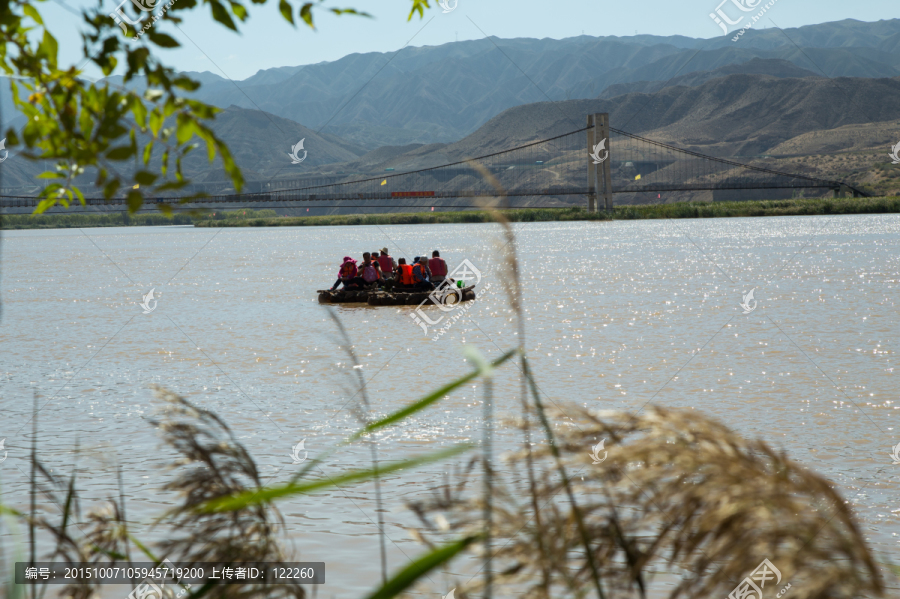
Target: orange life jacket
[(347, 269), (423, 272), (406, 275), (438, 267)]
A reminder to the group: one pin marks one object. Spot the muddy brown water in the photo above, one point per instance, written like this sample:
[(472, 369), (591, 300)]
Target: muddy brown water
[(618, 314)]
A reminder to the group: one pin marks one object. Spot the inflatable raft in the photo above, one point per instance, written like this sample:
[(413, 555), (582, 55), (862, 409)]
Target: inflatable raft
[(380, 297)]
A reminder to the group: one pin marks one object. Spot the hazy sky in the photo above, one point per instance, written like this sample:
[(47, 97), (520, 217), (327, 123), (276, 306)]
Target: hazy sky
[(267, 41)]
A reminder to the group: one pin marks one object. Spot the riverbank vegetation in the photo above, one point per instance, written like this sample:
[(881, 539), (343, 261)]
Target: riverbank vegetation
[(122, 219), (631, 212), (269, 218)]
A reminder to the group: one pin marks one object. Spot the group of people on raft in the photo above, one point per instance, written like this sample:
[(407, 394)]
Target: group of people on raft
[(379, 269)]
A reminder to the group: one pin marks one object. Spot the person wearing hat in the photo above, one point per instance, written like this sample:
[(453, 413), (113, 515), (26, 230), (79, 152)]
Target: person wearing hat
[(346, 273), (422, 275), (388, 264)]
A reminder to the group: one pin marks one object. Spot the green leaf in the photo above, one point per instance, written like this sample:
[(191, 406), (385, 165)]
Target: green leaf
[(186, 83), (109, 190), (120, 153), (306, 14), (139, 111), (349, 11), (221, 15), (287, 11), (145, 178), (146, 550), (33, 13), (418, 6), (230, 166), (429, 399), (156, 122), (49, 48), (44, 205), (51, 175), (265, 495), (134, 199), (185, 128), (239, 11), (409, 575), (162, 40), (148, 151)]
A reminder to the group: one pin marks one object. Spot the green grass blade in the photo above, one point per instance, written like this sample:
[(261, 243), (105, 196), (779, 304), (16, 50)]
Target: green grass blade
[(257, 496), (429, 399), (144, 549), (419, 568)]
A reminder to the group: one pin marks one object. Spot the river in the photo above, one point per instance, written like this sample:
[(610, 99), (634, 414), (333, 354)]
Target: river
[(617, 314)]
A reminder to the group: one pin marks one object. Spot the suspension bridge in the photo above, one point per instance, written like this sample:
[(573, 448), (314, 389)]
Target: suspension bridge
[(595, 162)]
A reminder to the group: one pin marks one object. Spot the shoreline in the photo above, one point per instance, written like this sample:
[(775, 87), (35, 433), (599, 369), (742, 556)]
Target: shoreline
[(750, 208), (268, 218)]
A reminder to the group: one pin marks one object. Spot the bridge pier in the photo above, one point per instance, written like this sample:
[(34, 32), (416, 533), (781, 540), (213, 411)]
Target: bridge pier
[(599, 174)]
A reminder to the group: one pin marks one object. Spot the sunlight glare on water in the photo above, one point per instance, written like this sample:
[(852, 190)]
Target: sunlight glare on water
[(618, 315)]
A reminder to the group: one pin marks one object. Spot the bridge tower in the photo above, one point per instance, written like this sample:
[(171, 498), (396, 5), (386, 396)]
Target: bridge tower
[(599, 175)]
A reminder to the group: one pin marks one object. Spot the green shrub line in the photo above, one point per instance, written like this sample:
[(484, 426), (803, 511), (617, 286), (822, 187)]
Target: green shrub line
[(269, 218), (633, 212), (122, 219)]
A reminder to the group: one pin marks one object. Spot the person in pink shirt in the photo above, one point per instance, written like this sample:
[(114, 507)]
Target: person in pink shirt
[(347, 272)]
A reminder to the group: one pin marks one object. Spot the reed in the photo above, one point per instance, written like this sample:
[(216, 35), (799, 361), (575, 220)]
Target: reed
[(679, 493)]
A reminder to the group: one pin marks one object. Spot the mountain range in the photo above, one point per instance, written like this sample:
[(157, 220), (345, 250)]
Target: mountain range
[(430, 105), (443, 93)]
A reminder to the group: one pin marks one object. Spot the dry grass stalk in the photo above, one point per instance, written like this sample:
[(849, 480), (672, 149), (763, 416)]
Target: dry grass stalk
[(679, 493), (215, 465)]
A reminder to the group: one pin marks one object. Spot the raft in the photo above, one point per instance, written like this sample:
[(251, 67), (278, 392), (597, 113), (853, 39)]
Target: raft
[(380, 297)]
